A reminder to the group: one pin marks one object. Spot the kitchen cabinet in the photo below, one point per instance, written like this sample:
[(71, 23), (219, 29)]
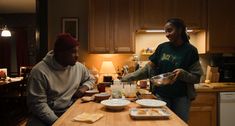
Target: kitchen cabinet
[(203, 111), (193, 12), (221, 27), (154, 13), (99, 26), (111, 28)]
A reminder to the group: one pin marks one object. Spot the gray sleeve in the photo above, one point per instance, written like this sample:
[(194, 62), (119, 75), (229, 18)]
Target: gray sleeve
[(142, 73), (88, 79), (193, 75), (37, 101)]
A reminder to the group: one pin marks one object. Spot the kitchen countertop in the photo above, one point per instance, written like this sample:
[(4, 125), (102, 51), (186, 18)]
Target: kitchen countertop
[(215, 87)]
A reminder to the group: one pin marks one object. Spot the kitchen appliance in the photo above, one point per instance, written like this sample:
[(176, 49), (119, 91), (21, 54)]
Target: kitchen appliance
[(227, 69), (226, 108)]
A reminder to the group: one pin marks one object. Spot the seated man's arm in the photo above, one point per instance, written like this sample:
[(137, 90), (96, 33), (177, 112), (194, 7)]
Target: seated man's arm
[(87, 82), (87, 78), (37, 101)]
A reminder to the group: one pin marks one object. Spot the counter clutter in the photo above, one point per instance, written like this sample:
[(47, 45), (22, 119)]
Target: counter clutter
[(215, 85)]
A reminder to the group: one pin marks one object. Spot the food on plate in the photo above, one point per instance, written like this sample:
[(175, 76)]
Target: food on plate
[(154, 112), (141, 111)]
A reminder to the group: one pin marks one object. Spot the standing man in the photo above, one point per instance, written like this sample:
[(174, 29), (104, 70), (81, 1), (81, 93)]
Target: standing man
[(180, 57), (55, 81)]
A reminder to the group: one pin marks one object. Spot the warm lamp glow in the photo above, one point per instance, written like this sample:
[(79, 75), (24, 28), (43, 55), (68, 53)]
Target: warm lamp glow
[(107, 67), (161, 30), (5, 32)]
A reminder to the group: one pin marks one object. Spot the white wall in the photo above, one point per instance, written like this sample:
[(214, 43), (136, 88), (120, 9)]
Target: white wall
[(57, 9), (152, 40)]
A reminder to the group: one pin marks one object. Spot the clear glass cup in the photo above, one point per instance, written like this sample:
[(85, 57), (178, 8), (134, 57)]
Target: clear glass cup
[(130, 90)]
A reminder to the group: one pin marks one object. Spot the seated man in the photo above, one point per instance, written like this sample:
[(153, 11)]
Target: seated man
[(55, 81)]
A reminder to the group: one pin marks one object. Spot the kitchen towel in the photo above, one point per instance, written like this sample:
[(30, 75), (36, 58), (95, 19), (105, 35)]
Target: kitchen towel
[(88, 117)]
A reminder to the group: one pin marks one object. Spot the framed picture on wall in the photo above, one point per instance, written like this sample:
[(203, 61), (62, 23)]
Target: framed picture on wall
[(70, 25)]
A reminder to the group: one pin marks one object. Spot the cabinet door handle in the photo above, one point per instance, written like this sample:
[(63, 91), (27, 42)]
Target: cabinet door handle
[(201, 108)]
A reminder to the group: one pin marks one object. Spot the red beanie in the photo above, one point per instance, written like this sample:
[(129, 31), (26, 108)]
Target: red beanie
[(64, 42)]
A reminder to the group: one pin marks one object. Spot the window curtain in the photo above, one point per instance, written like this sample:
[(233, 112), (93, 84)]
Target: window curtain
[(21, 48), (5, 53), (21, 40)]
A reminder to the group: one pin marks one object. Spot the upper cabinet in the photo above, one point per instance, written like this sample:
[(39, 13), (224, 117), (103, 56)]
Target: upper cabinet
[(123, 27), (221, 26), (99, 26), (154, 13), (113, 23), (111, 28), (193, 12)]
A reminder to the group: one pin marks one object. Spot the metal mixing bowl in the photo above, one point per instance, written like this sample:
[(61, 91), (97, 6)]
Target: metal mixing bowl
[(162, 79)]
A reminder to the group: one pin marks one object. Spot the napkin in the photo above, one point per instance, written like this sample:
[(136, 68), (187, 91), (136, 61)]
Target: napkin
[(88, 117)]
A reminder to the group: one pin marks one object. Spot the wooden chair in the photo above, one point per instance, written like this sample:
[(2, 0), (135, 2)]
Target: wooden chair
[(13, 105)]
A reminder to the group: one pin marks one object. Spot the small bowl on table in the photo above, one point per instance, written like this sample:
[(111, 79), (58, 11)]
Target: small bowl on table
[(101, 96), (91, 92)]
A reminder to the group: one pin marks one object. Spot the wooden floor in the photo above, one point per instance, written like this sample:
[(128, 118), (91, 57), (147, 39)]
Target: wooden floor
[(13, 107), (14, 121), (22, 122), (13, 113)]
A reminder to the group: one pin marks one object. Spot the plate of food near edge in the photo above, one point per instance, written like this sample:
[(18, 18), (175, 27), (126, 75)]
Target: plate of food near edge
[(150, 103)]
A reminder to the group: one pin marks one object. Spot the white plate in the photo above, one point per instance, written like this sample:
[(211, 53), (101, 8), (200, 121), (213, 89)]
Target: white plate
[(92, 91), (151, 103), (102, 95), (115, 104)]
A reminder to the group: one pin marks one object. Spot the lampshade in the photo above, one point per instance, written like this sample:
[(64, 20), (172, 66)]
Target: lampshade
[(5, 32), (107, 67)]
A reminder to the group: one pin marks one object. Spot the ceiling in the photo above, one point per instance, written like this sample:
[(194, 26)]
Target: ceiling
[(17, 6)]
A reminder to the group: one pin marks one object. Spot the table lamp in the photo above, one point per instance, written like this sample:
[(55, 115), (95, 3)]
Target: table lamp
[(107, 69)]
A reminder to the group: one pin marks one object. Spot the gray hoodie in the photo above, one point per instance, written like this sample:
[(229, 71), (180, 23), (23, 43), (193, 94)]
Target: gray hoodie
[(51, 87)]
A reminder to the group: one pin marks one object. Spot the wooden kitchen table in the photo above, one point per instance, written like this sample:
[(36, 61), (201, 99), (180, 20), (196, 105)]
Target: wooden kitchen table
[(111, 118), (11, 81)]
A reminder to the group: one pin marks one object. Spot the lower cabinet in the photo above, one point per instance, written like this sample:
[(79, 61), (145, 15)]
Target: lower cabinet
[(203, 111)]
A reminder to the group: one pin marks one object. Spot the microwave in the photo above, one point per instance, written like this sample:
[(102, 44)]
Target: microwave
[(227, 69)]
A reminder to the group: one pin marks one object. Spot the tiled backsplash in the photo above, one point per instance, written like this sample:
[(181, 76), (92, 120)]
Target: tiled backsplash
[(152, 40)]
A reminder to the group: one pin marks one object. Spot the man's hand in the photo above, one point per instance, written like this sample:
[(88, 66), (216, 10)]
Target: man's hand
[(81, 91)]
